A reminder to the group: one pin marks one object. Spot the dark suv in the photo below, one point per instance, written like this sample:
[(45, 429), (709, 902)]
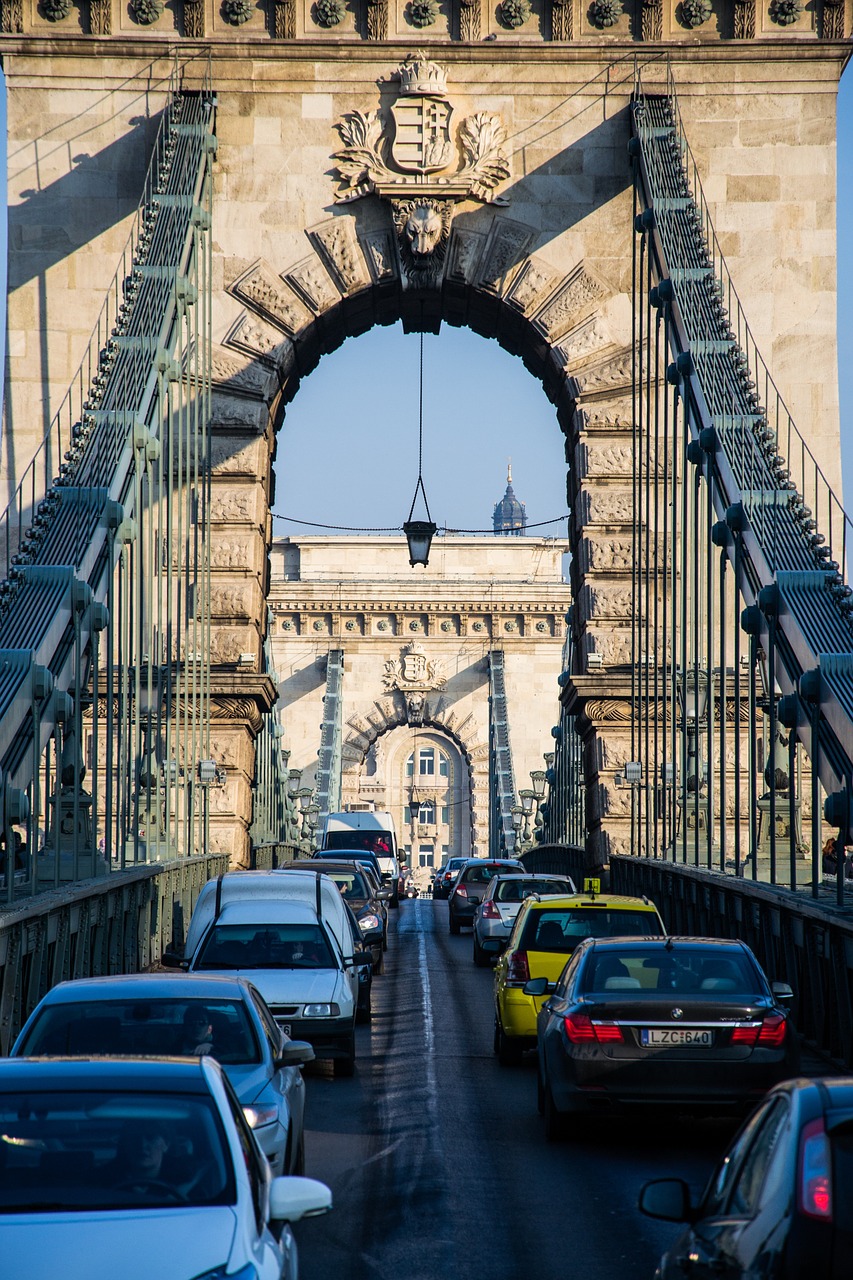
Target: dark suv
[(444, 877), (471, 883)]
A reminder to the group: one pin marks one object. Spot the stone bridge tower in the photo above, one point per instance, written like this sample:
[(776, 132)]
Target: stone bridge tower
[(484, 182)]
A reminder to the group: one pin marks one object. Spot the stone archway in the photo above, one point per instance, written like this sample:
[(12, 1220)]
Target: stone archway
[(571, 328), (388, 714)]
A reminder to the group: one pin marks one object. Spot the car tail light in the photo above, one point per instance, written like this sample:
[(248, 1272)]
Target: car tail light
[(745, 1035), (815, 1184), (461, 891), (517, 969), (582, 1030), (773, 1030), (489, 911)]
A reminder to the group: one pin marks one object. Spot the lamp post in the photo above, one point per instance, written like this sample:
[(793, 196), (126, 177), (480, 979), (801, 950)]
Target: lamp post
[(517, 814), (528, 801), (693, 688), (537, 778)]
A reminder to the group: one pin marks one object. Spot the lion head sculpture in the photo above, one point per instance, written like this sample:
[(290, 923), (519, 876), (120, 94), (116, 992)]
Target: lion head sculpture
[(423, 228)]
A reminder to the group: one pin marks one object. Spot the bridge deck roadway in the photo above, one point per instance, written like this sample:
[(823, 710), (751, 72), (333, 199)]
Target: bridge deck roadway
[(437, 1157)]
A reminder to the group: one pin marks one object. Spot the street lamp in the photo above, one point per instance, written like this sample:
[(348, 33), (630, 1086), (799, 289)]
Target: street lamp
[(419, 533), (517, 814), (693, 688), (304, 795), (537, 777)]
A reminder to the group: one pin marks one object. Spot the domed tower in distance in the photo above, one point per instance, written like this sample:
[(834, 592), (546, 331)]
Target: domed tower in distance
[(510, 515)]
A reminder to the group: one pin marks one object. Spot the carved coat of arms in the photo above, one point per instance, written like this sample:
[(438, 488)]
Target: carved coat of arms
[(420, 166), (415, 672)]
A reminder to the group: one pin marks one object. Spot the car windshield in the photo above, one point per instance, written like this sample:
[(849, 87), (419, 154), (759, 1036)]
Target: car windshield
[(563, 928), (108, 1150), (677, 971), (351, 883), (378, 842), (265, 946), (518, 890), (145, 1027)]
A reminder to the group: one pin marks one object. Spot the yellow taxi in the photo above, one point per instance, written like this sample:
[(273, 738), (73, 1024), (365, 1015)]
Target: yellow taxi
[(545, 933)]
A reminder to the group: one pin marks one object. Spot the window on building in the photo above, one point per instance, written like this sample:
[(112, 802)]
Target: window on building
[(426, 855), (443, 766), (407, 813), (445, 814), (426, 812), (426, 762)]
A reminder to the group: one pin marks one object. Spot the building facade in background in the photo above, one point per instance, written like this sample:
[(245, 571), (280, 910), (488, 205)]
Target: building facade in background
[(416, 670)]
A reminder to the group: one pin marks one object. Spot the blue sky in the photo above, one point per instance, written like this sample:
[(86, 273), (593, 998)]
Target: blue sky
[(348, 453)]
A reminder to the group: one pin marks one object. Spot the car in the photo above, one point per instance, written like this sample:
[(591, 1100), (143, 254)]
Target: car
[(445, 875), (688, 1022), (152, 1162), (544, 935), (366, 829), (497, 909), (780, 1202), (304, 963), (470, 884), (153, 1015), (368, 904), (352, 855)]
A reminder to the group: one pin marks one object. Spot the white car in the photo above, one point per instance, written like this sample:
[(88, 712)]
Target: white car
[(294, 959), (143, 1168)]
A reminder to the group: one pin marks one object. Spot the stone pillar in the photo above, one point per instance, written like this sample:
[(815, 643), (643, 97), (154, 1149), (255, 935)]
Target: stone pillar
[(237, 707)]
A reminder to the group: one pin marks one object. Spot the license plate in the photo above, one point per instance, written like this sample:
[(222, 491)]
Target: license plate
[(285, 1026), (654, 1038)]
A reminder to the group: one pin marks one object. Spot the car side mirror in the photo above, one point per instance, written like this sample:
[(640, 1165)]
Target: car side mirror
[(536, 987), (294, 1198), (782, 991), (667, 1199), (171, 960), (359, 958), (295, 1054), (384, 895)]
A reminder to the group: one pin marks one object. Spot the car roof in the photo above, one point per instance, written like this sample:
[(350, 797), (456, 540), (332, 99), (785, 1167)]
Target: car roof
[(366, 855), (266, 911), (153, 1075), (323, 864), (617, 902), (669, 943), (154, 986)]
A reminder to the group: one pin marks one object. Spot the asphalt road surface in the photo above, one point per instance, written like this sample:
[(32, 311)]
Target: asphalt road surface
[(436, 1155)]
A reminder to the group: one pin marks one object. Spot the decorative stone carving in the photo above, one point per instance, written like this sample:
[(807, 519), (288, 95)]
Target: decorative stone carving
[(607, 554), (250, 379), (230, 505), (832, 20), (194, 19), (260, 289), (463, 255), (581, 344), (605, 13), (469, 19), (238, 413), (615, 372), (377, 19), (422, 13), (514, 13), (607, 711), (337, 245), (13, 16), (232, 602), (226, 458), (381, 253), (56, 10), (328, 13), (255, 338), (423, 227), (651, 20), (695, 13), (581, 291), (605, 460), (599, 602), (531, 286), (606, 506), (284, 19), (562, 20), (238, 12), (785, 12), (507, 244), (146, 11), (312, 283), (604, 417), (231, 553), (415, 671), (226, 645), (744, 25)]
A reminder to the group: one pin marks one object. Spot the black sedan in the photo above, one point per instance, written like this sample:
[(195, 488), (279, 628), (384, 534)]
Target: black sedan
[(780, 1202), (685, 1021)]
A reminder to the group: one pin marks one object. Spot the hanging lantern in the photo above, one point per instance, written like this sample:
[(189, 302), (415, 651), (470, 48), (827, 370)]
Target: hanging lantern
[(419, 533)]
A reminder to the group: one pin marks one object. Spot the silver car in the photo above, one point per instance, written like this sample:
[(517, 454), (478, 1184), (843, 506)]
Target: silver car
[(152, 1015), (495, 914)]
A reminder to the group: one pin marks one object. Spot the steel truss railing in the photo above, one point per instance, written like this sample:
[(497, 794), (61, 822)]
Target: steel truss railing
[(105, 609), (502, 836), (329, 761), (723, 520)]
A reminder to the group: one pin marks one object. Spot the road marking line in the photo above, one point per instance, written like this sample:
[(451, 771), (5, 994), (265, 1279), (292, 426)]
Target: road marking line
[(426, 1007)]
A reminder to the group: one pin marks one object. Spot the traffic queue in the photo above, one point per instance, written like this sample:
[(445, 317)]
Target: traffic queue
[(623, 1018)]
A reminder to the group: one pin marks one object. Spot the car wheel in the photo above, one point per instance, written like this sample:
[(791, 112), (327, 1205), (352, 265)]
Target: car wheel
[(343, 1068), (509, 1051), (454, 923), (481, 957), (555, 1121)]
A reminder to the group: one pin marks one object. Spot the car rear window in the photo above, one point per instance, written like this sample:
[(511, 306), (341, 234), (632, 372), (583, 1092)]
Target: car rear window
[(518, 890), (145, 1027), (265, 946), (563, 928), (681, 971), (350, 883)]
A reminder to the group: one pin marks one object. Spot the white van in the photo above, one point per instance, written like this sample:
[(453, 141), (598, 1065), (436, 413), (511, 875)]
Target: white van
[(289, 935), (366, 829)]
